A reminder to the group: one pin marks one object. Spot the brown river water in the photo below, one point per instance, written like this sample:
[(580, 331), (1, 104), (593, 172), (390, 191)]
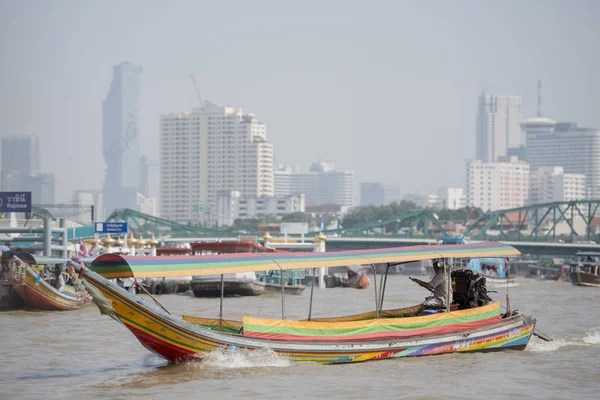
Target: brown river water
[(81, 354)]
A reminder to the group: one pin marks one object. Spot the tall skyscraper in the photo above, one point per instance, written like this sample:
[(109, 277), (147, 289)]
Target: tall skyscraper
[(21, 153), (322, 184), (497, 185), (550, 184), (120, 138), (497, 127), (20, 169), (372, 194), (379, 194), (209, 150), (565, 145)]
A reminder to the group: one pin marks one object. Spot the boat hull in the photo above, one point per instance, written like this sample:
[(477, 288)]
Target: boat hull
[(37, 294), (178, 340), (288, 289), (580, 278), (231, 287), (9, 298)]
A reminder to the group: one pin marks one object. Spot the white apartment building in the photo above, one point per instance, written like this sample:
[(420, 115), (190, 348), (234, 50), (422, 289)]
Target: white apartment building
[(282, 177), (431, 200), (211, 149), (322, 184), (551, 184), (576, 150), (498, 185), (452, 198), (231, 205), (497, 126)]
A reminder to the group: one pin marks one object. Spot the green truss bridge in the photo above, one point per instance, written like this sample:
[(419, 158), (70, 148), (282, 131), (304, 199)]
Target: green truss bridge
[(560, 222)]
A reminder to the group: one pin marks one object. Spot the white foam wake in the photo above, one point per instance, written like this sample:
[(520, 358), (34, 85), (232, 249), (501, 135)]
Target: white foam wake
[(242, 358), (538, 345), (592, 336)]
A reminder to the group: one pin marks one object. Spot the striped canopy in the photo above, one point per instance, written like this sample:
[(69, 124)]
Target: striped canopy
[(116, 266)]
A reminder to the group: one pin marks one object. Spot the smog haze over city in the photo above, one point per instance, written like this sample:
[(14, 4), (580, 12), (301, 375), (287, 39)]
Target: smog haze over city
[(387, 89)]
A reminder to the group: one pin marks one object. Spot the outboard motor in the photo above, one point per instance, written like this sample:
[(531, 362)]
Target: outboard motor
[(469, 289)]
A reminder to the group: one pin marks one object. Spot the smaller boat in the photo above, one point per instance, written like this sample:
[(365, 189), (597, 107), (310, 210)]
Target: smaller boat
[(237, 284), (245, 283), (293, 284), (546, 273), (585, 271), (40, 292), (494, 270)]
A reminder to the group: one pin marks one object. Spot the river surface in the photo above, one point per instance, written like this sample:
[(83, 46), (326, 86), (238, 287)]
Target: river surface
[(81, 354)]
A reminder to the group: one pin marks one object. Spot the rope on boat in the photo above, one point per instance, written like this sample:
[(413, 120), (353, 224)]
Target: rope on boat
[(152, 297)]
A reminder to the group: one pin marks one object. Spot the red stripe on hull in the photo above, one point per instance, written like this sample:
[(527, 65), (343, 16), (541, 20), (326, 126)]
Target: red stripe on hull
[(162, 348), (37, 301), (438, 330)]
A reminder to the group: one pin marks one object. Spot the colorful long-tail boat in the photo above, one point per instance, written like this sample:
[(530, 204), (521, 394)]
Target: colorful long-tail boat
[(378, 335), (36, 292)]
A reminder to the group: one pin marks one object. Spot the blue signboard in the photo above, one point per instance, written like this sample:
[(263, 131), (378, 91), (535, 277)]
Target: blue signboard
[(15, 202), (111, 227)]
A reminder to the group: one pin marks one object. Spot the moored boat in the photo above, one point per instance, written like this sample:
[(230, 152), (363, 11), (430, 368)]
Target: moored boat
[(37, 293), (370, 336), (238, 284), (494, 270), (586, 270)]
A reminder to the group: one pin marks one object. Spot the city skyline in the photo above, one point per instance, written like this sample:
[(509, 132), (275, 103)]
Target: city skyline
[(323, 88)]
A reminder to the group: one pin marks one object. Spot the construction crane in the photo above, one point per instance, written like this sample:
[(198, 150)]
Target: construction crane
[(197, 90)]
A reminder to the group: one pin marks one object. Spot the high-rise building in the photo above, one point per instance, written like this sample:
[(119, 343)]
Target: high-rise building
[(550, 184), (89, 198), (452, 198), (120, 138), (379, 194), (41, 186), (231, 205), (21, 153), (372, 194), (497, 185), (208, 150), (431, 200), (282, 178), (20, 171), (322, 184), (150, 180), (497, 126), (575, 149)]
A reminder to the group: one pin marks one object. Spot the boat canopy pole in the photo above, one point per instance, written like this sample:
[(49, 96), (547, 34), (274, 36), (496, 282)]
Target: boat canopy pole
[(448, 283), (312, 289), (376, 294), (221, 305), (387, 267), (282, 295), (379, 296)]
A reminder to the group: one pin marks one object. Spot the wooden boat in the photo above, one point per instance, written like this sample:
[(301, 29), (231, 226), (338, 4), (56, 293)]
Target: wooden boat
[(36, 292), (586, 270), (494, 270), (547, 273), (373, 336)]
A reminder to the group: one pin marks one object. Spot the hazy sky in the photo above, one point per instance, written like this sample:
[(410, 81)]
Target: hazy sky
[(388, 89)]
